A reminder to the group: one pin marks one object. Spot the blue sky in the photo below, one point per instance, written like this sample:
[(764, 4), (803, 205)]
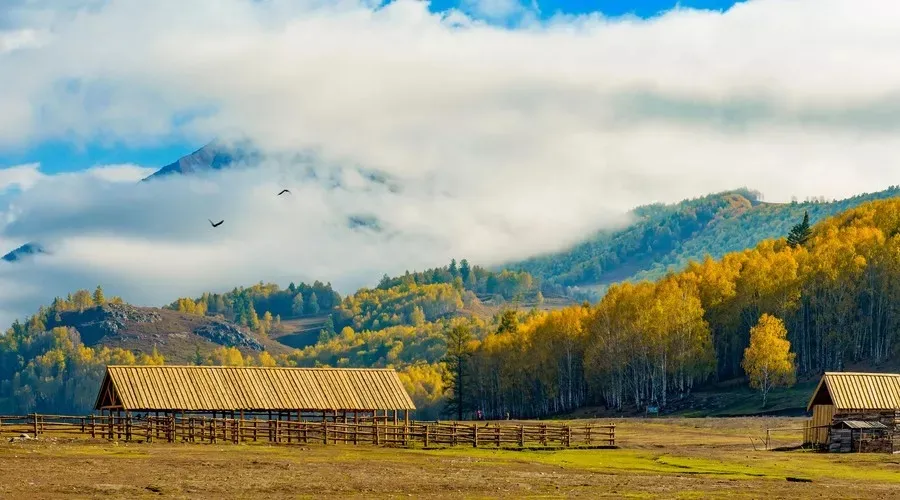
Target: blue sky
[(60, 156)]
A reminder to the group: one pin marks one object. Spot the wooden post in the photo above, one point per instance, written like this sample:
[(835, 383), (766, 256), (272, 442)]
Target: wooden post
[(324, 431), (93, 428), (568, 436), (588, 434), (521, 436), (34, 424), (426, 435), (475, 435)]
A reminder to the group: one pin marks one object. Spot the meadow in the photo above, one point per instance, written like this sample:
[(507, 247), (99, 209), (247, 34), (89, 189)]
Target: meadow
[(657, 458)]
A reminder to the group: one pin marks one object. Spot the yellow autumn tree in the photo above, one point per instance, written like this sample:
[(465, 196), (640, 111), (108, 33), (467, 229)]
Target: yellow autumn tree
[(768, 361)]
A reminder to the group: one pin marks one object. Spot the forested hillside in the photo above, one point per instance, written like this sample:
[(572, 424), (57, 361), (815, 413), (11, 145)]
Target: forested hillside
[(668, 236), (838, 294), (836, 289)]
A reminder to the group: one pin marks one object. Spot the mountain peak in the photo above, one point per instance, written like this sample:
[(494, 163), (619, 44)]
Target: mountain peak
[(216, 155)]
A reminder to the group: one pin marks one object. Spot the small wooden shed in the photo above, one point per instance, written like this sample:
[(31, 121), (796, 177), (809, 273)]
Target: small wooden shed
[(286, 393), (847, 404)]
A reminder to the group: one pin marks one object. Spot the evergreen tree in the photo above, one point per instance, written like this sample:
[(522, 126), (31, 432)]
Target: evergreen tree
[(509, 322), (457, 372), (453, 269), (297, 305), (312, 306), (800, 233), (464, 270), (99, 299), (198, 358), (327, 331)]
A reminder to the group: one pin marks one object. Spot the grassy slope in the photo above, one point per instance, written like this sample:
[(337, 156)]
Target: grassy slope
[(667, 236)]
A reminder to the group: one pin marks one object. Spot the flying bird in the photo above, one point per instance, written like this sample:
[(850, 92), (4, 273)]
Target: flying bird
[(216, 224), (283, 191)]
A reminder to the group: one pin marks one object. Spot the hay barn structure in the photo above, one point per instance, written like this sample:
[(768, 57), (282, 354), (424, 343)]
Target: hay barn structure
[(317, 394), (855, 412)]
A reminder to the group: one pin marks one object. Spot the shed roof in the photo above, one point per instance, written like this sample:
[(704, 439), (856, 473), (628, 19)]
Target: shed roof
[(858, 391), (224, 388), (860, 424)]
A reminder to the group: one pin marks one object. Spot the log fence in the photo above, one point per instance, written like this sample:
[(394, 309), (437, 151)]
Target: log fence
[(203, 429)]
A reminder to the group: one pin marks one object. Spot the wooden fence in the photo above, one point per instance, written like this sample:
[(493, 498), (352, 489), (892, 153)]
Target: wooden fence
[(200, 429)]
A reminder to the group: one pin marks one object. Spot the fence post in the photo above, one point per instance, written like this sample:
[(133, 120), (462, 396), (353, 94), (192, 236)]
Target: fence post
[(475, 435), (568, 436), (521, 436), (34, 423), (324, 431), (426, 435)]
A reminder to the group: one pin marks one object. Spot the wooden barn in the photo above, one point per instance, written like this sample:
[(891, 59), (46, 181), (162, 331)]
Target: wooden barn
[(332, 394), (855, 412)]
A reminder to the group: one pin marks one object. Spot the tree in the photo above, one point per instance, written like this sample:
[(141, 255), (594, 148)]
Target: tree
[(198, 358), (454, 271), (417, 316), (509, 322), (312, 306), (267, 321), (457, 368), (464, 270), (297, 305), (327, 331), (539, 298), (82, 300), (800, 233), (768, 361), (99, 299)]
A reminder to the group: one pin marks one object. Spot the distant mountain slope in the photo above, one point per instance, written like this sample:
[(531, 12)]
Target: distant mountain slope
[(213, 156), (176, 335), (667, 236), (23, 251)]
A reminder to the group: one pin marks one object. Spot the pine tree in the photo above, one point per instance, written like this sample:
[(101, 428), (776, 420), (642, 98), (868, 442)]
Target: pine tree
[(99, 299), (509, 322), (464, 270), (457, 370), (800, 233), (297, 305), (453, 269), (312, 307)]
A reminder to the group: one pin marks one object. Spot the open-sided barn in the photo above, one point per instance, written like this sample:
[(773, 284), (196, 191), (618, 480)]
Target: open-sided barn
[(292, 393), (855, 412)]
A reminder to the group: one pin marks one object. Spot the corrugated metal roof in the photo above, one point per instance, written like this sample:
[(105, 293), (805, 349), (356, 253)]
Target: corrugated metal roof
[(223, 388), (859, 424), (860, 391)]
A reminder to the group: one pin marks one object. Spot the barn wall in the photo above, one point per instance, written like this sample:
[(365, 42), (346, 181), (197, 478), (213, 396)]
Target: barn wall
[(816, 431)]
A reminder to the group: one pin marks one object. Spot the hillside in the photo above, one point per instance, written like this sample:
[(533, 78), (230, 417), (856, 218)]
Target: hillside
[(175, 335), (668, 236)]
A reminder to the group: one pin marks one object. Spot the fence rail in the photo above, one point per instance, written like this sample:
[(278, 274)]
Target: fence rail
[(200, 429)]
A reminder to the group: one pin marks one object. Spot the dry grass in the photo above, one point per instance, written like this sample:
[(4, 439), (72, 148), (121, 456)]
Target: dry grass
[(665, 458)]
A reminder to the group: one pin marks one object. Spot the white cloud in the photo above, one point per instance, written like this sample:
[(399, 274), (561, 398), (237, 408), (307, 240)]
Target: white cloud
[(506, 141), (19, 177), (121, 173)]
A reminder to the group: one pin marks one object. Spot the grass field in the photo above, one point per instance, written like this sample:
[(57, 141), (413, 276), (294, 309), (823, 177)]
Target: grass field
[(659, 458)]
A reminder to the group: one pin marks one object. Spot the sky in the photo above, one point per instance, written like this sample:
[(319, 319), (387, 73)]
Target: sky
[(504, 129)]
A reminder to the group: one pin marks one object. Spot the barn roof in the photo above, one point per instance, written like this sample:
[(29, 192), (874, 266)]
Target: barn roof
[(224, 388), (858, 391)]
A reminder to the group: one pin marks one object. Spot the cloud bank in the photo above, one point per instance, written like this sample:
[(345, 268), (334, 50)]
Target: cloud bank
[(505, 141)]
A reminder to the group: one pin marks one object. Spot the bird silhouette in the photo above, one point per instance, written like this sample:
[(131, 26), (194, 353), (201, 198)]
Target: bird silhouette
[(283, 191), (216, 224)]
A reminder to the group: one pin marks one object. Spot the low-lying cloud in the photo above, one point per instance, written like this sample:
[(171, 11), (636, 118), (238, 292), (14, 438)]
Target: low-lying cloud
[(500, 142)]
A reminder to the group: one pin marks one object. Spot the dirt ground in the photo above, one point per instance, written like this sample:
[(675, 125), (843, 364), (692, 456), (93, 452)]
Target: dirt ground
[(659, 458)]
